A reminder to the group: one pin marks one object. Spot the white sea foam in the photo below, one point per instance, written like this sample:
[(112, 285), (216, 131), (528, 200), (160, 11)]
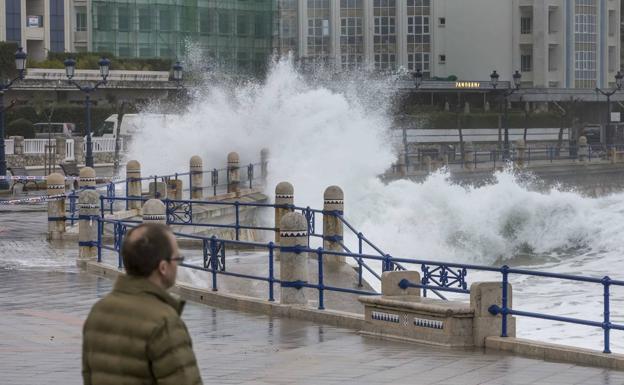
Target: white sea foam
[(319, 137)]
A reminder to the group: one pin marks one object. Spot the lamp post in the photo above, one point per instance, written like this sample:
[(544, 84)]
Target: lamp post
[(177, 71), (517, 76), (20, 65), (618, 86), (70, 70)]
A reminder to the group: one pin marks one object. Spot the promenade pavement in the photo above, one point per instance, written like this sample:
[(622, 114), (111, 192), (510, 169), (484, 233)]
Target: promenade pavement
[(44, 303)]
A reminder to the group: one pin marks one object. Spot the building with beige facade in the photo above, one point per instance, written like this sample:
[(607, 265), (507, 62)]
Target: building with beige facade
[(554, 43)]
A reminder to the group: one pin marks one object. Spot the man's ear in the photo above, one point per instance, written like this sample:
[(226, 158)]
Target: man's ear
[(162, 266)]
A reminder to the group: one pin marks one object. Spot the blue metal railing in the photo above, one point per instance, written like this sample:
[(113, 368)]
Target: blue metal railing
[(445, 277)]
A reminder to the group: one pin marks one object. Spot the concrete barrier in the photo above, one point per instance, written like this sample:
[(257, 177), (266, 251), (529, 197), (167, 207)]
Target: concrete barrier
[(233, 172), (196, 166), (133, 177), (89, 210), (333, 201), (284, 195), (154, 211)]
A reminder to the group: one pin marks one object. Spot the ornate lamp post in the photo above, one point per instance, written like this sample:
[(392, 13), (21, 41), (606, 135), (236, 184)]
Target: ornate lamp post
[(70, 70), (20, 65), (517, 76), (608, 93), (178, 71)]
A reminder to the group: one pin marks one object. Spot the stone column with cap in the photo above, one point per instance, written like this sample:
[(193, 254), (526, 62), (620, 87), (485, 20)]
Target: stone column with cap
[(332, 225), (61, 149), (56, 206), (89, 210), (133, 177), (87, 178), (233, 170), (197, 177), (284, 195), (583, 150), (154, 211), (264, 164), (79, 154), (293, 263)]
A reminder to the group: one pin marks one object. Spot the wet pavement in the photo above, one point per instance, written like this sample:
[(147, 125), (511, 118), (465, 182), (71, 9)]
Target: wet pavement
[(44, 301)]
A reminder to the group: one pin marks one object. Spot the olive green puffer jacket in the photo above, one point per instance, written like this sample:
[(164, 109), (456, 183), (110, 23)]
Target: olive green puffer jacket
[(135, 335)]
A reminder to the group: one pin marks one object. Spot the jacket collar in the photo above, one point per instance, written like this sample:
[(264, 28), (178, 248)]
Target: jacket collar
[(137, 285)]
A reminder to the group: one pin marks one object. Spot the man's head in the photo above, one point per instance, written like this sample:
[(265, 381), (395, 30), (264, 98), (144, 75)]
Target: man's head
[(151, 251)]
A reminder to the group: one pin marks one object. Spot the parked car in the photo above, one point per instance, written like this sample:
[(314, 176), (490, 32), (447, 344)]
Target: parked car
[(53, 130)]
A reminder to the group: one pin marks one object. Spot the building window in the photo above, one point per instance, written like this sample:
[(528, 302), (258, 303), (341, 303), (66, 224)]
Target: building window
[(57, 26), (13, 21), (586, 43), (442, 59), (384, 34), (242, 25), (123, 19), (526, 25), (205, 22), (351, 34), (318, 29), (81, 19), (225, 22), (103, 18), (164, 18), (612, 23), (145, 19), (612, 59), (526, 62), (442, 21)]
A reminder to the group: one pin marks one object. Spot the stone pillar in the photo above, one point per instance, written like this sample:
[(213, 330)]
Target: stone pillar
[(293, 266), (133, 177), (401, 166), (332, 226), (583, 150), (284, 195), (482, 296), (468, 155), (56, 206), (264, 163), (520, 147), (89, 210), (87, 178), (79, 154), (197, 177), (61, 149), (154, 211), (174, 189), (158, 190), (18, 142), (613, 153), (390, 283), (233, 164)]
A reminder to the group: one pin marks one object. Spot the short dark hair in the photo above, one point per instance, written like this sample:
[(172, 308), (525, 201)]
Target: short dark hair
[(143, 252)]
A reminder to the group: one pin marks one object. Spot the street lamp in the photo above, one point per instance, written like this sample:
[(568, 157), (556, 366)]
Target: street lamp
[(177, 70), (70, 71), (517, 77), (418, 78), (618, 86), (20, 65)]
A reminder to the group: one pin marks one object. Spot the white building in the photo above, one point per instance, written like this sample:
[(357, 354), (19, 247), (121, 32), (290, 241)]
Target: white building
[(554, 43)]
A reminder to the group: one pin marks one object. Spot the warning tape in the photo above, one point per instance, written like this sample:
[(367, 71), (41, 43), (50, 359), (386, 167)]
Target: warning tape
[(38, 199), (33, 177)]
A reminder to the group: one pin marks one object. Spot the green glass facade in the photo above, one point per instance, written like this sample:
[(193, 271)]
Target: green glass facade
[(235, 33)]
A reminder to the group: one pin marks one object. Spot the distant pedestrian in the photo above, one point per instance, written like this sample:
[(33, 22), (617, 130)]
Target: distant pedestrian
[(135, 335)]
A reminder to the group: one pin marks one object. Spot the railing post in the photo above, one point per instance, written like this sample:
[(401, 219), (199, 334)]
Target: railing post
[(293, 261), (333, 206), (215, 181), (56, 206), (360, 236), (284, 200), (110, 193), (213, 261), (321, 286), (237, 207), (88, 226), (133, 178), (271, 272), (100, 230), (606, 325), (233, 161), (196, 177), (504, 309), (250, 174)]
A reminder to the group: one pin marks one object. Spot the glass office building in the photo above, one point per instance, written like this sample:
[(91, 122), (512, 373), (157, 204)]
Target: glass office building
[(235, 33)]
